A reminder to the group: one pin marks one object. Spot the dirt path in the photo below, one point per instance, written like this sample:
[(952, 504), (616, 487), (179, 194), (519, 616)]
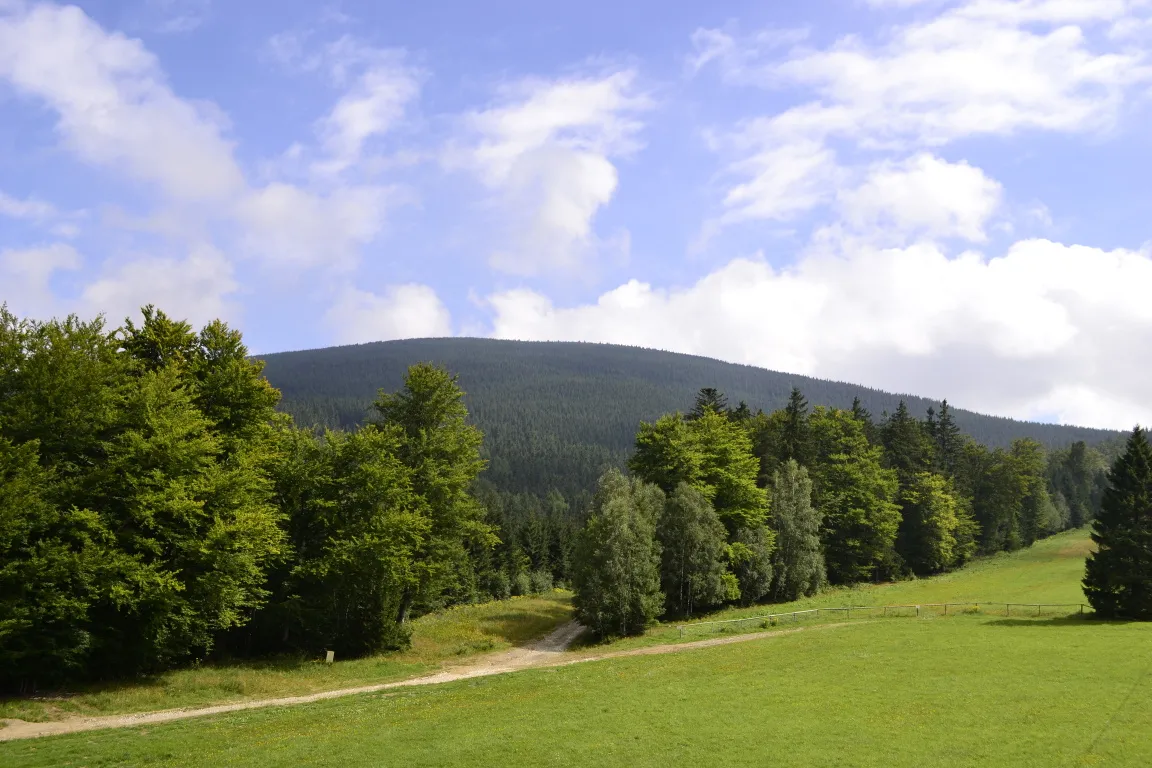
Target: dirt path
[(549, 651)]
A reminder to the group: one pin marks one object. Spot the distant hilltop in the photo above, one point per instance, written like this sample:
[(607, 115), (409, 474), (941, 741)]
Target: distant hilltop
[(554, 414)]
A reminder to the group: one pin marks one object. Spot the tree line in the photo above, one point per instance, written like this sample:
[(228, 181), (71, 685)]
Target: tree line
[(728, 505), (155, 509)]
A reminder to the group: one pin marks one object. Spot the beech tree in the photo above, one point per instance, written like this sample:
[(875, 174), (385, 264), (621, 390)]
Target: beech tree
[(442, 450), (936, 532), (855, 496), (1118, 575), (712, 454)]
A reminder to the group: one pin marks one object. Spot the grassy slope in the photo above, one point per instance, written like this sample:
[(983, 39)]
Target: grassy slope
[(437, 639), (1047, 572), (963, 690)]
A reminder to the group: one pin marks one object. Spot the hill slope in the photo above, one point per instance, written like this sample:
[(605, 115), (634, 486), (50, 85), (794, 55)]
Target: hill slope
[(554, 414)]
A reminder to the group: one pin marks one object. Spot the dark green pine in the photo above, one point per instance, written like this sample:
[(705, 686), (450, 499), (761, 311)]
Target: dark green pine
[(1118, 576)]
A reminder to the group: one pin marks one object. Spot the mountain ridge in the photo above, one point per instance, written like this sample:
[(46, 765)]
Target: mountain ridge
[(556, 413)]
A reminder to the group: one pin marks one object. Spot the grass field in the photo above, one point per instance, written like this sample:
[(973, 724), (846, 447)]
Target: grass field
[(1047, 572), (962, 690), (437, 639)]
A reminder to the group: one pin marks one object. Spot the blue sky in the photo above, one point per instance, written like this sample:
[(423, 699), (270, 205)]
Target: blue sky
[(945, 197)]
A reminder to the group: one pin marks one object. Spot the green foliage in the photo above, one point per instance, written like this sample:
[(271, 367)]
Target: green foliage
[(442, 450), (795, 443), (1118, 576), (616, 577), (798, 560), (1079, 476), (193, 531), (693, 545), (855, 496), (709, 399), (931, 533), (356, 526), (947, 441), (711, 453), (907, 444), (50, 571), (159, 535), (750, 562)]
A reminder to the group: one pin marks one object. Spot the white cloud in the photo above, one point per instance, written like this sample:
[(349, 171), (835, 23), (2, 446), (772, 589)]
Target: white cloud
[(783, 181), (288, 226), (115, 107), (923, 195), (195, 288), (1045, 328), (30, 209), (402, 312), (25, 276), (982, 67), (546, 151), (370, 108), (116, 110), (379, 85), (176, 16)]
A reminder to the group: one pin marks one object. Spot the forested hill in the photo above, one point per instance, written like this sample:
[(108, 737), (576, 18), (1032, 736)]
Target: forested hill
[(554, 414)]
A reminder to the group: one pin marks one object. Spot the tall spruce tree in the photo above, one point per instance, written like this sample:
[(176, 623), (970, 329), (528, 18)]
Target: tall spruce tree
[(795, 441), (949, 441), (709, 399), (864, 416), (906, 446), (1118, 576)]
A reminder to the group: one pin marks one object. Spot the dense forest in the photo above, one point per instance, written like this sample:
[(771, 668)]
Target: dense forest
[(725, 505), (555, 415), (156, 508)]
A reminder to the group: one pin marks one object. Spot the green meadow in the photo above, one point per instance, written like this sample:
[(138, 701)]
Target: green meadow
[(970, 689), (438, 640)]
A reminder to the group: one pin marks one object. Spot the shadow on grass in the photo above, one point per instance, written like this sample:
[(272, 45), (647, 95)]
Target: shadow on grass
[(1049, 621)]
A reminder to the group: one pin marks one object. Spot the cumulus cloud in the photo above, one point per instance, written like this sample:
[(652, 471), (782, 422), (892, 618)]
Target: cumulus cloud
[(1042, 329), (546, 151), (402, 312), (115, 107), (923, 196)]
